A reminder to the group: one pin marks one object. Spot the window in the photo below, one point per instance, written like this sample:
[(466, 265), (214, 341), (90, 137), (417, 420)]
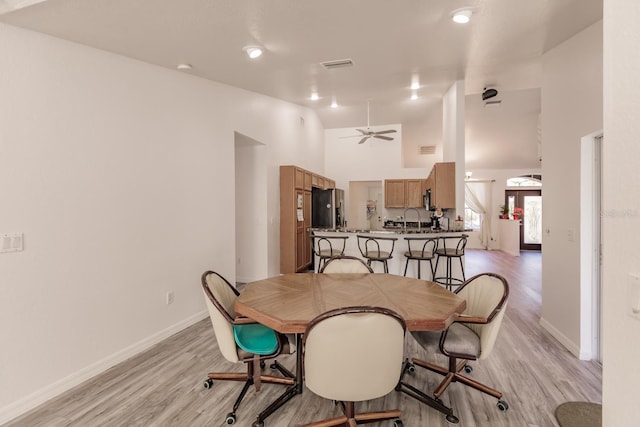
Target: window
[(471, 218)]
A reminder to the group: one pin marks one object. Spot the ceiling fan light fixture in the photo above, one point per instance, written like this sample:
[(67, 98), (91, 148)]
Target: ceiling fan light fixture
[(461, 16), (253, 51)]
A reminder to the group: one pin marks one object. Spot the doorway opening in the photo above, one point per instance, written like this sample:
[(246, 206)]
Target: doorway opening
[(591, 247), (250, 214)]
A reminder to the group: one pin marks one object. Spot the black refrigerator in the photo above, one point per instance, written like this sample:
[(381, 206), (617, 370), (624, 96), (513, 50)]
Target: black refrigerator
[(327, 208)]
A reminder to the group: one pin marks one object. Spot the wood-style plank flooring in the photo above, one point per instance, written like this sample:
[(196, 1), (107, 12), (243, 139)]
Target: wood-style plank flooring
[(163, 386)]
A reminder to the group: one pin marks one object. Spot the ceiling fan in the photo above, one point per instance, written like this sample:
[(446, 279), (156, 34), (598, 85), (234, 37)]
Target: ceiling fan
[(366, 134)]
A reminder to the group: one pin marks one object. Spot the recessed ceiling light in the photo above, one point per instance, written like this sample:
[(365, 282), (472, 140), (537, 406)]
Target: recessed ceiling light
[(414, 96), (334, 104), (184, 67), (253, 51), (415, 85), (461, 16), (314, 96)]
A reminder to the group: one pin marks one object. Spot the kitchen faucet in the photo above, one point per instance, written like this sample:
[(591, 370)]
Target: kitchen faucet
[(405, 217)]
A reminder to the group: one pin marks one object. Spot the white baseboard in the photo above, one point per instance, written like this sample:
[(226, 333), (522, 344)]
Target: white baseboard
[(25, 404), (564, 340)]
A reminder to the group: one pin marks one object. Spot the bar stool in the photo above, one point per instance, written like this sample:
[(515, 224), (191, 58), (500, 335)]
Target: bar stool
[(326, 247), (376, 248), (423, 250), (449, 253)]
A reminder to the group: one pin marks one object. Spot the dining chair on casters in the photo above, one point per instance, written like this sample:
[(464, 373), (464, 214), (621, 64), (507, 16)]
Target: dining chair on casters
[(376, 248), (326, 247), (351, 355), (450, 247), (345, 264), (242, 340), (472, 336), (423, 249)]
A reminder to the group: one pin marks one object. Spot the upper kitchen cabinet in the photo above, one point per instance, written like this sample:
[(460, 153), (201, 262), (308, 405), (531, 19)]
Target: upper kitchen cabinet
[(404, 193), (303, 178), (442, 183), (394, 193)]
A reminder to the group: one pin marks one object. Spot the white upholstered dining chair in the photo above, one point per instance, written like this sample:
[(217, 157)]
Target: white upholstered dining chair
[(242, 340), (351, 355), (472, 336)]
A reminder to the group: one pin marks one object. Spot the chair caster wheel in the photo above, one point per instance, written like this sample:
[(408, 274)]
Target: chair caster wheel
[(452, 419), (398, 423), (273, 366), (502, 405), (262, 364), (257, 424), (411, 368), (207, 383), (231, 418), (468, 369)]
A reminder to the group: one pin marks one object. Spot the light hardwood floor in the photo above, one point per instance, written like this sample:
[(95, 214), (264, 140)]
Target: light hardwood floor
[(163, 386)]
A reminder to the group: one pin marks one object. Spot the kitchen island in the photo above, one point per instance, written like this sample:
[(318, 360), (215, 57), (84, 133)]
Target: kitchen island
[(397, 262)]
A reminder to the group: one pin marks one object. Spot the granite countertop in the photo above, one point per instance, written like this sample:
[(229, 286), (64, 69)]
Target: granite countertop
[(409, 230)]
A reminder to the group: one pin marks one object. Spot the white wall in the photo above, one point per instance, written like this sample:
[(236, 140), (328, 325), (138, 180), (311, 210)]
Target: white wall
[(121, 176), (374, 160), (621, 208), (571, 109), (427, 131), (453, 137)]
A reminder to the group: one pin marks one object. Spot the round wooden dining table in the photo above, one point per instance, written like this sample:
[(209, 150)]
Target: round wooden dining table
[(287, 303)]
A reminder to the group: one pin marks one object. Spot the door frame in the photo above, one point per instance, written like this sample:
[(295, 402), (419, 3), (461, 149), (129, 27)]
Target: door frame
[(519, 195)]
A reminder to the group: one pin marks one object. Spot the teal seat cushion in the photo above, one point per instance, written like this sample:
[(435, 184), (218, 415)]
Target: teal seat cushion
[(256, 338)]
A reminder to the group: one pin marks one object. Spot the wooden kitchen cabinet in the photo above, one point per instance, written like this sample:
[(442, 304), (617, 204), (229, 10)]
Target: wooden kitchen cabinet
[(394, 193), (442, 183), (414, 192), (404, 193), (295, 236)]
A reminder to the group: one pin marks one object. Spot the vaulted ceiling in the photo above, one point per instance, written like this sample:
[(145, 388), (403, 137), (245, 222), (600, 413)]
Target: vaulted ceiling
[(391, 44)]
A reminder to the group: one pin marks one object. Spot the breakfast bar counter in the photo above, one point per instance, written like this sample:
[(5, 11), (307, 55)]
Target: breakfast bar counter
[(397, 262)]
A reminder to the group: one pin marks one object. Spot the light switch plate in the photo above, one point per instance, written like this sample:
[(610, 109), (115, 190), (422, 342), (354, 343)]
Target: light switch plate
[(633, 294), (11, 242)]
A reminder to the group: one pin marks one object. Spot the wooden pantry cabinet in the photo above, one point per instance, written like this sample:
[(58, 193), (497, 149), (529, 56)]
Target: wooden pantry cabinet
[(404, 193), (295, 216)]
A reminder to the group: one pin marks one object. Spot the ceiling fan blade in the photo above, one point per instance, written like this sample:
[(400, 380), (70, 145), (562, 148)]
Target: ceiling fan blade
[(364, 132), (385, 131), (363, 139), (350, 136), (386, 138)]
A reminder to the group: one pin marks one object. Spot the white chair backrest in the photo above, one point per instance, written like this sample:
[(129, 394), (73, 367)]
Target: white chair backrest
[(483, 294), (222, 328), (345, 265), (355, 356)]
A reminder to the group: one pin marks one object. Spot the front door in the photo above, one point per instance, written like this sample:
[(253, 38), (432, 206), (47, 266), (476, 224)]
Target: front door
[(531, 221)]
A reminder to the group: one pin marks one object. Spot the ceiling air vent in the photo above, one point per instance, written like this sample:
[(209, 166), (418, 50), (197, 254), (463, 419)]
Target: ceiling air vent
[(427, 149), (329, 65)]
